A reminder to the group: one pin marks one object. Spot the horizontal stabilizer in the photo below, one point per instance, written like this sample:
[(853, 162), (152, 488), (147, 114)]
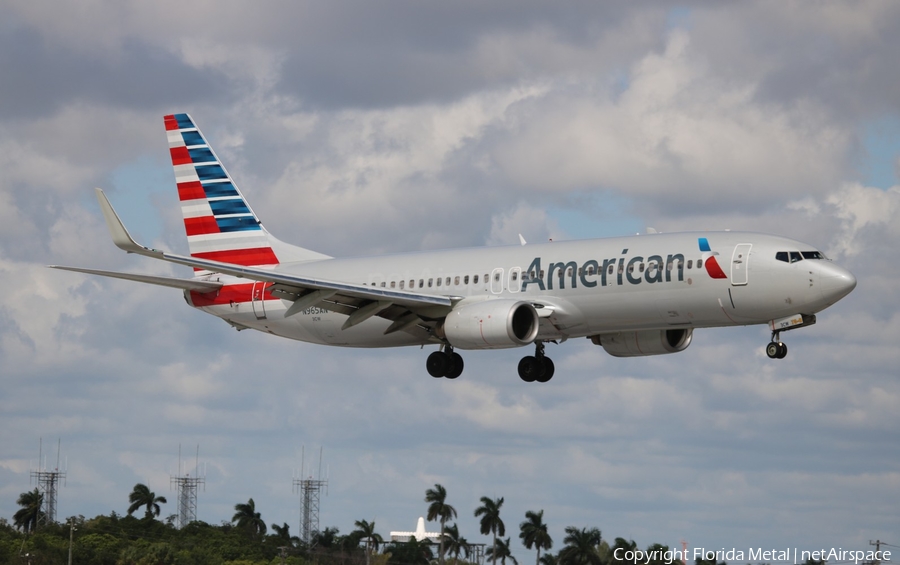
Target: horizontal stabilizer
[(183, 284)]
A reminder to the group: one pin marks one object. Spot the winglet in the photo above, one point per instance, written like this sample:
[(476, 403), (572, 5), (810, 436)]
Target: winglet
[(120, 235)]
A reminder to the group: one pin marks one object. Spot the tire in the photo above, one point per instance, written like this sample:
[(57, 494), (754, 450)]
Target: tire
[(437, 364), (782, 350), (547, 370), (455, 365), (529, 369), (772, 350)]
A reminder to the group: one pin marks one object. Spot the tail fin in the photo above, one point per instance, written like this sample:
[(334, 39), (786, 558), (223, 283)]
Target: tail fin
[(219, 223)]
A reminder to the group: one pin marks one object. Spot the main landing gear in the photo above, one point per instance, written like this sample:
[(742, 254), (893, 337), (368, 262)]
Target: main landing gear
[(776, 349), (444, 363), (537, 368)]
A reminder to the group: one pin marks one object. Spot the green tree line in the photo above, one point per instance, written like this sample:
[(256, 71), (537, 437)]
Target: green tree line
[(247, 540)]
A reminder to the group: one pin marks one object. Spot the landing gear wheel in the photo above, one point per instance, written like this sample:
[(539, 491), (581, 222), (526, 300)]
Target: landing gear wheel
[(455, 365), (776, 350), (529, 369), (437, 364), (547, 370), (783, 350)]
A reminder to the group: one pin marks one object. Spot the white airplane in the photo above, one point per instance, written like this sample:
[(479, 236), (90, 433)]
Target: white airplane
[(634, 296)]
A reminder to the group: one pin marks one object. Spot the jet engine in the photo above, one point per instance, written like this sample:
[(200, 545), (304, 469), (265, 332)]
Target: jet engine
[(491, 324), (647, 342)]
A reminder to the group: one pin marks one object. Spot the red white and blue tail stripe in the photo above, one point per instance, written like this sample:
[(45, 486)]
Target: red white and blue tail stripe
[(217, 219)]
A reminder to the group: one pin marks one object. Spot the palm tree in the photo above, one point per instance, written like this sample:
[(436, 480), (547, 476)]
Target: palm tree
[(489, 511), (500, 550), (30, 515), (326, 539), (549, 559), (412, 552), (283, 533), (438, 509), (246, 517), (455, 543), (581, 547), (624, 545), (366, 532), (142, 496), (534, 533)]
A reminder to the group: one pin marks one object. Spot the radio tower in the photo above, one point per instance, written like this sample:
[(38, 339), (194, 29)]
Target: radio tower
[(186, 488), (47, 482), (309, 489)]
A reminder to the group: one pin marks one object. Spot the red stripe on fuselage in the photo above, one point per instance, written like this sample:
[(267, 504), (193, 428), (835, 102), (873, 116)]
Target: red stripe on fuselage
[(200, 226), (228, 294), (180, 155), (171, 122), (191, 190), (245, 257)]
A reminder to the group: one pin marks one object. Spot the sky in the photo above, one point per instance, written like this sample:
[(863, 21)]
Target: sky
[(360, 128)]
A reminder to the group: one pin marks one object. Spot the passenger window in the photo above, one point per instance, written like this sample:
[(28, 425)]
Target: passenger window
[(429, 282), (485, 279), (466, 279), (631, 268), (699, 263), (569, 271), (641, 268), (611, 269), (382, 285), (448, 281), (690, 262), (393, 284), (475, 279), (412, 283), (439, 281), (496, 276), (542, 273), (401, 285), (456, 281), (515, 276), (590, 269), (422, 283)]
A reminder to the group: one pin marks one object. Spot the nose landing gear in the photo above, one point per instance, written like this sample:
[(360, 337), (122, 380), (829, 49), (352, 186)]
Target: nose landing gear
[(776, 349), (445, 363), (538, 368)]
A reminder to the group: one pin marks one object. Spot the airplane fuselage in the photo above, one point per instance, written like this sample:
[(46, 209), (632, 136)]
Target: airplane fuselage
[(589, 287)]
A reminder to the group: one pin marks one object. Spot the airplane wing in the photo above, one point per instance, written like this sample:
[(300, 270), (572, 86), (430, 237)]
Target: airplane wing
[(184, 284), (359, 302)]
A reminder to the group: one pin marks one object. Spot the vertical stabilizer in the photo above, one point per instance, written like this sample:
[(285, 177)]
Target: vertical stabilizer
[(219, 223)]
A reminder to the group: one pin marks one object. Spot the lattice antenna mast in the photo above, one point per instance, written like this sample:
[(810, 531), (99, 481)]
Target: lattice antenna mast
[(186, 487), (310, 490), (48, 483)]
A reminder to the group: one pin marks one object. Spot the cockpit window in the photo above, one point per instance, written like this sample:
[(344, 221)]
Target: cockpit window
[(791, 256), (813, 255)]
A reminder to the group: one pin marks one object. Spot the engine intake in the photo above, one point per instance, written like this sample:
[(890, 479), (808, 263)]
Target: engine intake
[(491, 324), (647, 342)]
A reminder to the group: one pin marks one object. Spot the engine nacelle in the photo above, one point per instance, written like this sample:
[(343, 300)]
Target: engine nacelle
[(647, 342), (491, 324)]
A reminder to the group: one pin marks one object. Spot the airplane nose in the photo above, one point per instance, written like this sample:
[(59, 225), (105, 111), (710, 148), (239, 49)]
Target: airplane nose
[(836, 282)]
